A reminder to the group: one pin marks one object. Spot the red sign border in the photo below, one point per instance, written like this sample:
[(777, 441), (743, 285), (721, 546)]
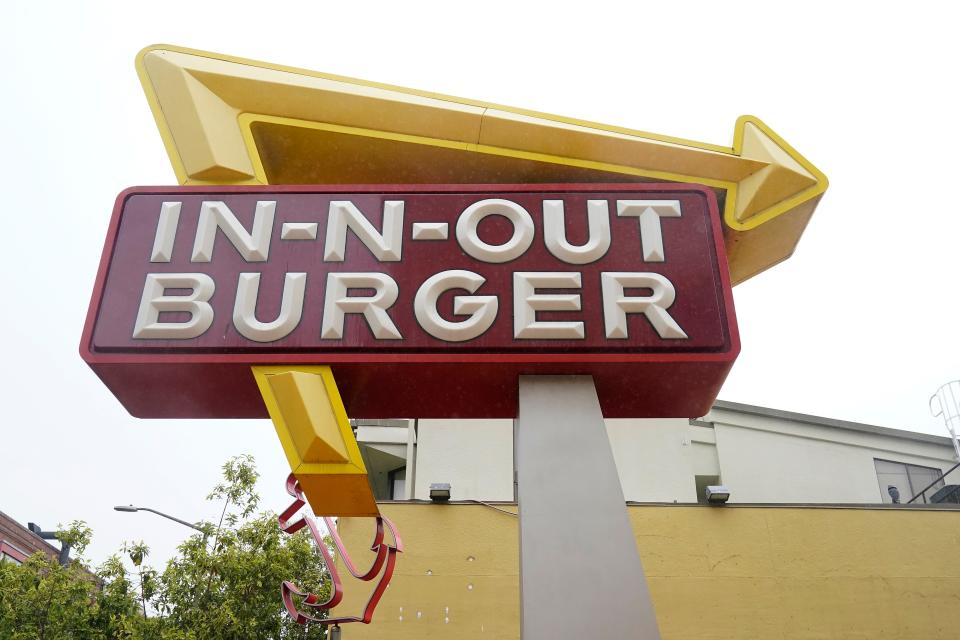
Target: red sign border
[(532, 363)]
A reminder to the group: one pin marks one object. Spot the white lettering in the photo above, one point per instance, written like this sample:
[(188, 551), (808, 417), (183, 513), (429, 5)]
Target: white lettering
[(166, 232), (374, 308), (526, 303), (616, 304), (555, 234), (649, 212), (343, 215), (253, 247), (245, 308), (482, 309), (474, 247), (154, 301)]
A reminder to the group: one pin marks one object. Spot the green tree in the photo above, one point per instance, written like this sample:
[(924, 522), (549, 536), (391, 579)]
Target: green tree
[(42, 600), (230, 587), (224, 582)]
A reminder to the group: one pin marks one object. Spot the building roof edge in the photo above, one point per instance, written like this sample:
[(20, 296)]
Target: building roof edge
[(52, 549), (726, 405)]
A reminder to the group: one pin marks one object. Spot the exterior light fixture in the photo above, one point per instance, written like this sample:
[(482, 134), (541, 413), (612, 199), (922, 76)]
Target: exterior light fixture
[(717, 494), (894, 494), (440, 492)]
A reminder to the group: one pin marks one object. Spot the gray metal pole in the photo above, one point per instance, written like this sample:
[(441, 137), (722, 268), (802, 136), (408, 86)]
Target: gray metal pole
[(64, 557), (169, 517), (580, 571), (132, 509)]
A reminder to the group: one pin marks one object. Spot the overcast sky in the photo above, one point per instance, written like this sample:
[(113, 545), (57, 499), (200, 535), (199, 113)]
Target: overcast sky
[(860, 324)]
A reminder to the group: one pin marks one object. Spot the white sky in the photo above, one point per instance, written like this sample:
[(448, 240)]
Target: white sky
[(859, 324)]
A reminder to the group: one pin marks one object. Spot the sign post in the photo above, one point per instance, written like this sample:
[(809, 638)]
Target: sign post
[(574, 528)]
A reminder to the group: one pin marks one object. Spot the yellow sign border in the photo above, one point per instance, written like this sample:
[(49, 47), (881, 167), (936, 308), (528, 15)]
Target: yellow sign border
[(204, 104)]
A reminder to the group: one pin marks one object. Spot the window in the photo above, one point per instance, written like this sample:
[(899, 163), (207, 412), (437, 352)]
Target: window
[(903, 481), (9, 553)]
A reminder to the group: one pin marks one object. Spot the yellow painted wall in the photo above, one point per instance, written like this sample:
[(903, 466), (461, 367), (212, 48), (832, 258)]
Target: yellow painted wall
[(728, 572)]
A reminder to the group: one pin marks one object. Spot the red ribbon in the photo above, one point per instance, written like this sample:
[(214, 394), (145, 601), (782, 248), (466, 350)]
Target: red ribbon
[(386, 557)]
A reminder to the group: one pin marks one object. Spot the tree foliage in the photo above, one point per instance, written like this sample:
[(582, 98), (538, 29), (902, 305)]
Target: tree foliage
[(224, 582)]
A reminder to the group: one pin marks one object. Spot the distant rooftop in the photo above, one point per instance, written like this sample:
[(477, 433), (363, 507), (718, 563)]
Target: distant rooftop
[(830, 422), (23, 539)]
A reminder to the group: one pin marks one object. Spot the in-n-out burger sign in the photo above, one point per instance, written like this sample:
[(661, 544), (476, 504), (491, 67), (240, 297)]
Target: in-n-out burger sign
[(426, 300), (480, 311)]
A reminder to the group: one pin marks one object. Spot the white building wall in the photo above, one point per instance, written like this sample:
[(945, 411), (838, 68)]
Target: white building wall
[(703, 443), (654, 459), (759, 466), (768, 459), (761, 455), (474, 456)]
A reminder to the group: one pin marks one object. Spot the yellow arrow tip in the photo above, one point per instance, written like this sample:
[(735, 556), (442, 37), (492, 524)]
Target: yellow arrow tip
[(785, 176)]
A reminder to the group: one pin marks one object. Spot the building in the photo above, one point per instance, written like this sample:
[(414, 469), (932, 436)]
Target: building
[(762, 455), (809, 545), (17, 542)]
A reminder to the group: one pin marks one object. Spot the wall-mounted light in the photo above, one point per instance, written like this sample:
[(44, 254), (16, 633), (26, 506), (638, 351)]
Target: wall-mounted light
[(717, 494), (440, 492)]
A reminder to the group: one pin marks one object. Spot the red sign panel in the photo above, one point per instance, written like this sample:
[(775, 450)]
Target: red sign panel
[(426, 300)]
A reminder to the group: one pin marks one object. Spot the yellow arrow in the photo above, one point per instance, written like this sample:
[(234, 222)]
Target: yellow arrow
[(227, 120), (307, 412)]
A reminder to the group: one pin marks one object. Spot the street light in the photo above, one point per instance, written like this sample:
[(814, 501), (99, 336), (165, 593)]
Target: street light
[(130, 509)]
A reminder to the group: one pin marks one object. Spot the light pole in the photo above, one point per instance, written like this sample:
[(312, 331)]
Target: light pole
[(131, 509)]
